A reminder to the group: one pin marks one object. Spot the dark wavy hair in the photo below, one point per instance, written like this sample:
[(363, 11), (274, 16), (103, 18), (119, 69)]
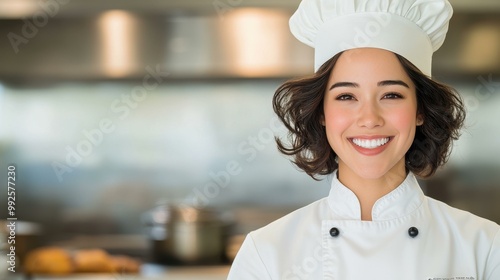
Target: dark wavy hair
[(299, 105)]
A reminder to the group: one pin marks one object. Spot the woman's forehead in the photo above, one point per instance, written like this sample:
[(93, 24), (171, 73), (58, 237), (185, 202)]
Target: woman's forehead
[(368, 65)]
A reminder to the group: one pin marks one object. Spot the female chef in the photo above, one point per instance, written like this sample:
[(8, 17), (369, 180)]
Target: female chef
[(373, 118)]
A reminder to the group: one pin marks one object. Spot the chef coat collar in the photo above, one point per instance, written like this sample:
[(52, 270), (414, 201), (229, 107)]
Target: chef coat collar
[(403, 200)]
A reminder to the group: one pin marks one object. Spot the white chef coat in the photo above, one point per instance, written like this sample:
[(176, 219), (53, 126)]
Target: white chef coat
[(451, 244)]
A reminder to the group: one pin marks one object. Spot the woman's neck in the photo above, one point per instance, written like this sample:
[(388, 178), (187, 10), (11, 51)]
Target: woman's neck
[(369, 190)]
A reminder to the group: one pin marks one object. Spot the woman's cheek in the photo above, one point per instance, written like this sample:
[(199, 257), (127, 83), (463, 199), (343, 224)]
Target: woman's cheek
[(341, 116), (404, 118), (337, 121)]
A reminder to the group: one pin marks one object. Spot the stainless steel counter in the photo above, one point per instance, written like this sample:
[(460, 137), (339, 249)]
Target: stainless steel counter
[(148, 272)]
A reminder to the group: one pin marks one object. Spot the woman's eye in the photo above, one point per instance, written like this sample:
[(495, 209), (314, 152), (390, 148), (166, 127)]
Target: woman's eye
[(345, 97), (393, 95)]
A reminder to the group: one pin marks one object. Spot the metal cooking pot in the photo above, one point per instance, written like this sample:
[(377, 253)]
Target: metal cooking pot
[(187, 235)]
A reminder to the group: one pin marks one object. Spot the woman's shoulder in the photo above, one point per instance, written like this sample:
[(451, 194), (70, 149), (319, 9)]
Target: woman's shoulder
[(271, 251), (462, 219), (303, 221)]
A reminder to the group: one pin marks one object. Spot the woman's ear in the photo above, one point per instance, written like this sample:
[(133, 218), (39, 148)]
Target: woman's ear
[(322, 120), (420, 120)]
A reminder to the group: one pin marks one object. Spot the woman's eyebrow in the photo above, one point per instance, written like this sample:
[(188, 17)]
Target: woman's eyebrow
[(392, 83), (344, 84), (380, 84)]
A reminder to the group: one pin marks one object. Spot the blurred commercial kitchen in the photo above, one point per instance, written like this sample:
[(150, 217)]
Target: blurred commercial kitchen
[(110, 109)]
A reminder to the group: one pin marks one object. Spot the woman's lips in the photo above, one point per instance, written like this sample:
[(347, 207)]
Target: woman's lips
[(372, 145)]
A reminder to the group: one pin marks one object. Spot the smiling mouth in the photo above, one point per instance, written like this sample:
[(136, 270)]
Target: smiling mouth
[(370, 143)]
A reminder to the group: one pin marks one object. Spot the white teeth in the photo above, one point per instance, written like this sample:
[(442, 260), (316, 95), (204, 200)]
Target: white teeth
[(370, 144)]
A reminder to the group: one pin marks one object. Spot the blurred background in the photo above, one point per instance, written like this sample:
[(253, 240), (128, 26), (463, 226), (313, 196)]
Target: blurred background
[(116, 111)]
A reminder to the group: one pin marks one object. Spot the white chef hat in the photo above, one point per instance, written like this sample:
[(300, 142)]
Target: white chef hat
[(413, 29)]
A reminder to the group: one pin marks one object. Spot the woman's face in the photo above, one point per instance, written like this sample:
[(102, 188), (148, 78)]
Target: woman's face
[(370, 112)]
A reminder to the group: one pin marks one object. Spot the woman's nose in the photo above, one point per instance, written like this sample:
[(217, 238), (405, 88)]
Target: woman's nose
[(370, 116)]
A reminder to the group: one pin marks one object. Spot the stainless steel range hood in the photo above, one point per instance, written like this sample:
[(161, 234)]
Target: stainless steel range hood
[(240, 42), (117, 44)]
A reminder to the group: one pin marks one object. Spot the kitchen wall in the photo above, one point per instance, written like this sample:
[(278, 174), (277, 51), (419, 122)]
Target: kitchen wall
[(207, 143)]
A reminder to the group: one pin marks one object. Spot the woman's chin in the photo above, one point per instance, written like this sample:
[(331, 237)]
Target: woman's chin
[(372, 172)]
